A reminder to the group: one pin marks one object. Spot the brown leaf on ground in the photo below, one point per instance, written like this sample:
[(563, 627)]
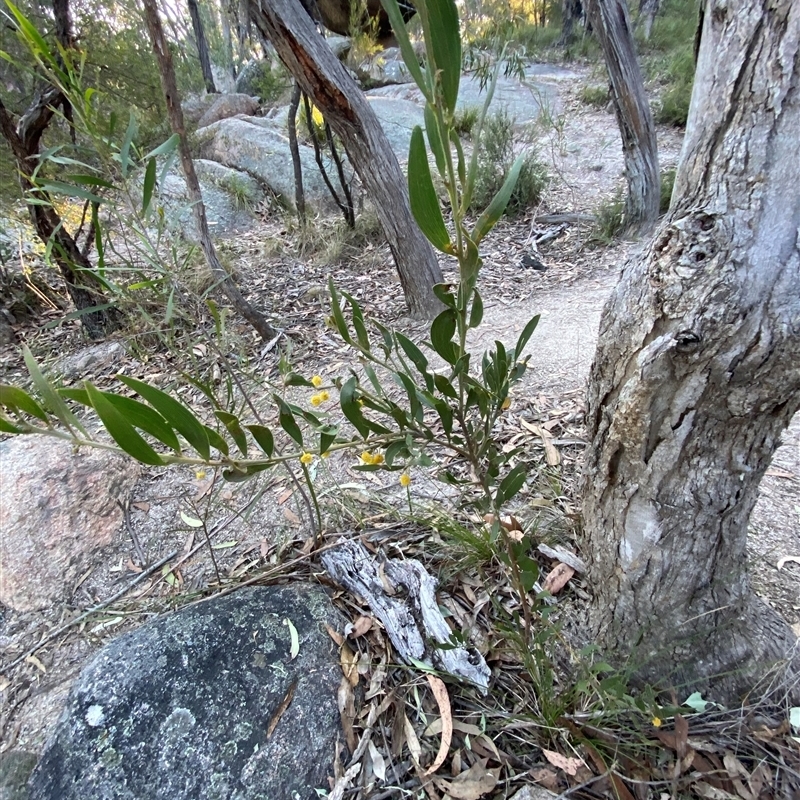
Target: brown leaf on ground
[(443, 701), (570, 765), (558, 578), (349, 661), (414, 747), (360, 627), (281, 709), (472, 784), (335, 635), (347, 712), (548, 778)]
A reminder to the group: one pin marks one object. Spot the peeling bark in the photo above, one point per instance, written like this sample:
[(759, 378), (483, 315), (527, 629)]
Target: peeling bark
[(611, 23), (321, 76), (411, 617), (697, 373)]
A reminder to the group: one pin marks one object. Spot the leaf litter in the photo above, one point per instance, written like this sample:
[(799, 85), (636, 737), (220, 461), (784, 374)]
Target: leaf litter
[(406, 731)]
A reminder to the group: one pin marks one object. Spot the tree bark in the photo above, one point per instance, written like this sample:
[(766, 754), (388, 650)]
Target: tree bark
[(697, 373), (294, 148), (175, 113), (320, 74), (202, 47), (610, 21), (24, 137), (571, 12), (648, 11)]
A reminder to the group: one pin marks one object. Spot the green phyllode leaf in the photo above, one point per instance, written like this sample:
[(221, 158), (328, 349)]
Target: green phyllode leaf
[(445, 45), (511, 484), (422, 195), (406, 48), (287, 421), (18, 400), (51, 399), (175, 413), (138, 414), (495, 210), (120, 430)]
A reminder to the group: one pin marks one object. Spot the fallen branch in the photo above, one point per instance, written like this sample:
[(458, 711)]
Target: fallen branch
[(412, 619)]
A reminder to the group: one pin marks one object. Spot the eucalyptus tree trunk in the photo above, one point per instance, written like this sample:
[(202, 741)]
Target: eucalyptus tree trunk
[(24, 137), (323, 78), (648, 10), (175, 114), (571, 12), (611, 23), (202, 46), (697, 373)]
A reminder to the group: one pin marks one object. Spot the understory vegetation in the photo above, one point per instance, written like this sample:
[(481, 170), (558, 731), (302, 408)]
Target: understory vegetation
[(425, 410)]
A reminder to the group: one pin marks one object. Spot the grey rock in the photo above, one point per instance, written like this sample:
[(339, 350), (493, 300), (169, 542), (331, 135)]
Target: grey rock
[(260, 147), (194, 106), (15, 769), (398, 118), (58, 509), (385, 68), (339, 44), (255, 77), (223, 79), (228, 105), (531, 792), (181, 709), (228, 196), (244, 189), (524, 100), (94, 357)]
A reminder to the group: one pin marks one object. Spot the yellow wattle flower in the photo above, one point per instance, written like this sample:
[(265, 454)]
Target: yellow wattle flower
[(405, 479), (306, 458), (317, 381)]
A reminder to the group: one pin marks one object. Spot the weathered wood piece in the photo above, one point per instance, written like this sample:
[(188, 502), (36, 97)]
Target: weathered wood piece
[(411, 618), (564, 556)]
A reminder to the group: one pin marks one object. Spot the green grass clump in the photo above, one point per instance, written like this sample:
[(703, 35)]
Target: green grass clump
[(609, 221), (240, 190), (465, 120), (667, 182), (668, 59), (595, 96), (673, 108), (494, 163), (270, 81)]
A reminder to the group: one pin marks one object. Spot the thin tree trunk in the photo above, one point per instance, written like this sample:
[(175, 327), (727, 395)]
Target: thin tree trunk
[(24, 137), (164, 59), (202, 47), (571, 11), (227, 41), (297, 166), (610, 21), (243, 27), (696, 375), (320, 74), (648, 11)]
